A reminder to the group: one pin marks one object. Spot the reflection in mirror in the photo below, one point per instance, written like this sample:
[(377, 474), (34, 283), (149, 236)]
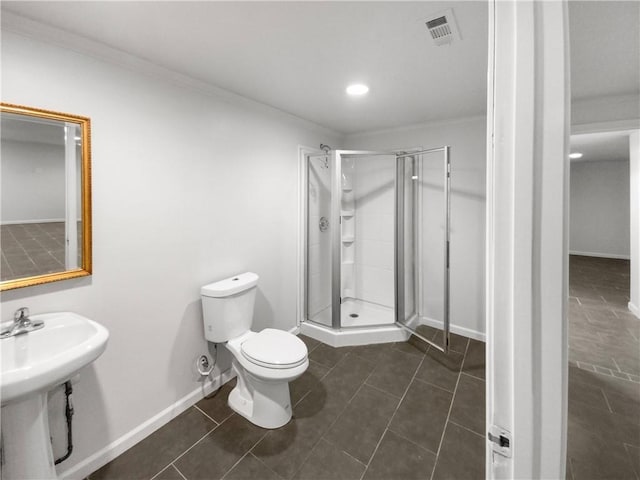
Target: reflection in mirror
[(45, 196)]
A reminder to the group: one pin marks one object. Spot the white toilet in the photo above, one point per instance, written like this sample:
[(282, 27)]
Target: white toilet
[(265, 362)]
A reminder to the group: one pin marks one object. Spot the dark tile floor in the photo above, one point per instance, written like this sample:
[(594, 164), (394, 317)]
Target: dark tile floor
[(30, 249), (604, 369), (391, 411)]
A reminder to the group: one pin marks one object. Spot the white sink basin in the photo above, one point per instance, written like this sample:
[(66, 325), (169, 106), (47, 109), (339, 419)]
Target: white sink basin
[(38, 361)]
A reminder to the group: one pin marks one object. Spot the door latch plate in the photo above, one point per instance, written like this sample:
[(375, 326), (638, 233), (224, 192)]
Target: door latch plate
[(501, 441)]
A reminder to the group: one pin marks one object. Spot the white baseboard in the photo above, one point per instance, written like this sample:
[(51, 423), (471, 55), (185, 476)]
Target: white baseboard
[(129, 439), (601, 255), (634, 309), (41, 220), (465, 332)]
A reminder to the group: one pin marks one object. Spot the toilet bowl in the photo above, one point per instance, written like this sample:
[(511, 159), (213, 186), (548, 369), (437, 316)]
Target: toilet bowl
[(264, 362)]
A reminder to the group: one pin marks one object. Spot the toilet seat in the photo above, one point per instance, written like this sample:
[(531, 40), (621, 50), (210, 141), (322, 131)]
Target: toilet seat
[(274, 349)]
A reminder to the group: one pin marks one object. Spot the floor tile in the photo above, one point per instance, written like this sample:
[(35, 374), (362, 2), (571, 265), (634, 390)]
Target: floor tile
[(169, 473), (568, 471), (616, 428), (469, 404), (634, 458), (590, 394), (250, 468), (308, 381), (360, 426), (427, 332), (626, 405), (329, 462), (216, 405), (216, 453), (461, 455), (416, 463), (311, 343), (328, 356), (441, 369), (594, 457), (286, 449), (457, 343), (154, 453), (474, 359), (413, 346), (394, 374), (422, 415), (373, 353)]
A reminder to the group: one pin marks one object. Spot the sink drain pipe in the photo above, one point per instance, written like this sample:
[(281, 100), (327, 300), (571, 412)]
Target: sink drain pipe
[(68, 390)]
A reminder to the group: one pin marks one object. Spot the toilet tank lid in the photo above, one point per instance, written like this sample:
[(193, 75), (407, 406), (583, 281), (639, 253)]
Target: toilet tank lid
[(230, 286)]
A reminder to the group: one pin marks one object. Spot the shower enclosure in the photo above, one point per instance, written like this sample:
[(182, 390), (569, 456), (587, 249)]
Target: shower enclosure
[(377, 246)]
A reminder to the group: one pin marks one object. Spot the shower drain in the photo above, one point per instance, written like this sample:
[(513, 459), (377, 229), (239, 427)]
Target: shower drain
[(354, 315)]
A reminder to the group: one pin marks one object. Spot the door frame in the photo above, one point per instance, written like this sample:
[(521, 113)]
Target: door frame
[(527, 241)]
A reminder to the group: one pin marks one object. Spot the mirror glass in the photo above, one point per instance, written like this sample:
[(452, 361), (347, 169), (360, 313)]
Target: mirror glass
[(45, 211)]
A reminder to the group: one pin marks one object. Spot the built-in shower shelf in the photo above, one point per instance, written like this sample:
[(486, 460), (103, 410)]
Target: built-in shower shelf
[(347, 213), (348, 239), (347, 188), (348, 262)]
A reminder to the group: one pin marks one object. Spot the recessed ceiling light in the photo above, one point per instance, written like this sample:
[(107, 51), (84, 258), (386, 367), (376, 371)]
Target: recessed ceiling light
[(357, 89), (575, 155)]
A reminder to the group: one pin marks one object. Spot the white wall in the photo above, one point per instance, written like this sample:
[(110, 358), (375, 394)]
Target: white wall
[(467, 138), (188, 188), (614, 108), (33, 182), (634, 174), (599, 208)]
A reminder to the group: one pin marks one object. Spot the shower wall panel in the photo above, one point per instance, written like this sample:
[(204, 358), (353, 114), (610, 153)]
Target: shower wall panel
[(374, 192)]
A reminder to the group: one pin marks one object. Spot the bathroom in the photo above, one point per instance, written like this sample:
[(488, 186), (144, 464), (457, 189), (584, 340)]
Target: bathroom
[(192, 183)]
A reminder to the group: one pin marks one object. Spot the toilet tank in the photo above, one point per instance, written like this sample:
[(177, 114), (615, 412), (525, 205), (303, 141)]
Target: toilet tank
[(227, 307)]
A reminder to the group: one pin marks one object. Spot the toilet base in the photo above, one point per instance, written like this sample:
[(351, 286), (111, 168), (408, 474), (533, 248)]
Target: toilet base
[(266, 404)]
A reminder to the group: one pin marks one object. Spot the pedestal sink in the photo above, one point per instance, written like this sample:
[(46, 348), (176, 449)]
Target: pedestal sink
[(32, 364)]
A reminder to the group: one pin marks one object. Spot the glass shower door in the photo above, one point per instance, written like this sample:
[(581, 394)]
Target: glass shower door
[(319, 230), (422, 239)]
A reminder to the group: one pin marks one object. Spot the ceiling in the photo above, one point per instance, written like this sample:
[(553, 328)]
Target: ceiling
[(300, 56), (605, 146)]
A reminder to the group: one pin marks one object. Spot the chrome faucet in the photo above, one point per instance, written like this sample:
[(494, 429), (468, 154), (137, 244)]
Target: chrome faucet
[(21, 324)]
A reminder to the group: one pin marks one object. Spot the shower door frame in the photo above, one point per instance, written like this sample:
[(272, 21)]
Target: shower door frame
[(399, 240), (336, 237)]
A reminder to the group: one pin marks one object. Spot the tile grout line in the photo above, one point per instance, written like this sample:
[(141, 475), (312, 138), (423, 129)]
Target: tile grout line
[(438, 386), (375, 450), (606, 400), (382, 391), (466, 428), (183, 453), (265, 465), (205, 414), (421, 447), (197, 442), (453, 399), (351, 456), (179, 472), (338, 415), (248, 452)]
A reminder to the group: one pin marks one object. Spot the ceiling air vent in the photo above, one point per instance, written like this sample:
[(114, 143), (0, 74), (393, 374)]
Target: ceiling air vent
[(442, 28)]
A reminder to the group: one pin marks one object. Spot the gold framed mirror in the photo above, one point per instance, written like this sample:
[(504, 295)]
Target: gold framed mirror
[(45, 196)]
